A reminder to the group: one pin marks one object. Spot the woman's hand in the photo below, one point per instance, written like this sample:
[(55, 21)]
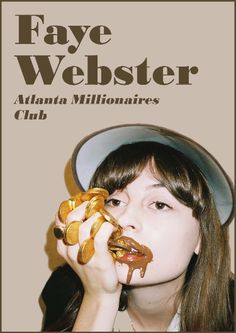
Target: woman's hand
[(101, 286), (98, 276)]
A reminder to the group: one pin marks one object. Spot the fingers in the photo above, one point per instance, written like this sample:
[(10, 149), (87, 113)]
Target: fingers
[(78, 213), (100, 240), (62, 248), (84, 245), (72, 252), (82, 229), (75, 215), (102, 237), (85, 228)]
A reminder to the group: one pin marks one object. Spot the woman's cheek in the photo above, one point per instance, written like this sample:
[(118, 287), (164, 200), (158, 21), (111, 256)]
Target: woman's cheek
[(173, 255)]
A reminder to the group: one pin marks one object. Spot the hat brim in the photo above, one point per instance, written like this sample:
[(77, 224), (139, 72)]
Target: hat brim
[(93, 149)]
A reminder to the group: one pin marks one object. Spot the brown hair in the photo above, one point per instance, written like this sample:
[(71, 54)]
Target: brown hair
[(204, 297), (205, 294)]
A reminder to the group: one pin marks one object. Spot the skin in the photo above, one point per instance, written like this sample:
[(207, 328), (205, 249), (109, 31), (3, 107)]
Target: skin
[(152, 216)]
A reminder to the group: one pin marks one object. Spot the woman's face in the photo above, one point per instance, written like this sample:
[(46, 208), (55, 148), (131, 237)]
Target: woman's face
[(153, 217)]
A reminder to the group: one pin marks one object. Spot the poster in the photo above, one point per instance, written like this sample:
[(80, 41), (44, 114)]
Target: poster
[(179, 74)]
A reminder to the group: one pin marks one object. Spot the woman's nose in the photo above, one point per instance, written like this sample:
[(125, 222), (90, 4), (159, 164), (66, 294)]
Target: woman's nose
[(129, 219)]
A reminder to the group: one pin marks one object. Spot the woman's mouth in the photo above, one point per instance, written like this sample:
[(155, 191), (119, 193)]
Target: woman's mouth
[(127, 251)]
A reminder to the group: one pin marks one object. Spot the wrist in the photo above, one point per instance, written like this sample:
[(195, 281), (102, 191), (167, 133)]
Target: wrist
[(103, 296), (93, 312)]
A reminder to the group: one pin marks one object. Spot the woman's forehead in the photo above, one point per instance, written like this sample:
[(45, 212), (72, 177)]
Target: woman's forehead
[(147, 180)]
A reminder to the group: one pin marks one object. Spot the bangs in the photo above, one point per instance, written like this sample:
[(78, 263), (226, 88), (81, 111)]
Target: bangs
[(182, 178), (121, 167)]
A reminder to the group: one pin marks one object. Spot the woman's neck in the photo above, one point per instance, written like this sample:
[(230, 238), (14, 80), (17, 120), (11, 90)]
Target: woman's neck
[(151, 308)]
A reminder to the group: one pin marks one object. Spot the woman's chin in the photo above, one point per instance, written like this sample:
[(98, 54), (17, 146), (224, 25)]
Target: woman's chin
[(123, 272)]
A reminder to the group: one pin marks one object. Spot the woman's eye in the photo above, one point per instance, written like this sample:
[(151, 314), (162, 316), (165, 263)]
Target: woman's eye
[(113, 202), (160, 205)]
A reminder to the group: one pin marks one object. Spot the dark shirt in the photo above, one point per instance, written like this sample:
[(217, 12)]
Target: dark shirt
[(58, 293)]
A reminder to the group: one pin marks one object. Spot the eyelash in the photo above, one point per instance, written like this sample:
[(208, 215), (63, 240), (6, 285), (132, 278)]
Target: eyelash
[(110, 202), (116, 203), (162, 205)]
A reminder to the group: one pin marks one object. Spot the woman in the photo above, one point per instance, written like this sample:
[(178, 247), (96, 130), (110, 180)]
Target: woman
[(172, 201)]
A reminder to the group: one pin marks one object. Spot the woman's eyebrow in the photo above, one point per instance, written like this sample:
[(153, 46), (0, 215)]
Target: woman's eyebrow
[(156, 185)]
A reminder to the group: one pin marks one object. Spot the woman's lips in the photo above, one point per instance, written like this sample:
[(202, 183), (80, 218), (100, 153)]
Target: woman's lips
[(126, 249), (129, 257)]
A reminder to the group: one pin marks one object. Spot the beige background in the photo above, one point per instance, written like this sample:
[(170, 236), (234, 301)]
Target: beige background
[(36, 153)]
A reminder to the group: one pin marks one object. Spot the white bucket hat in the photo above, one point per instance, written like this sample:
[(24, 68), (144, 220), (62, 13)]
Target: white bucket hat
[(93, 149)]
